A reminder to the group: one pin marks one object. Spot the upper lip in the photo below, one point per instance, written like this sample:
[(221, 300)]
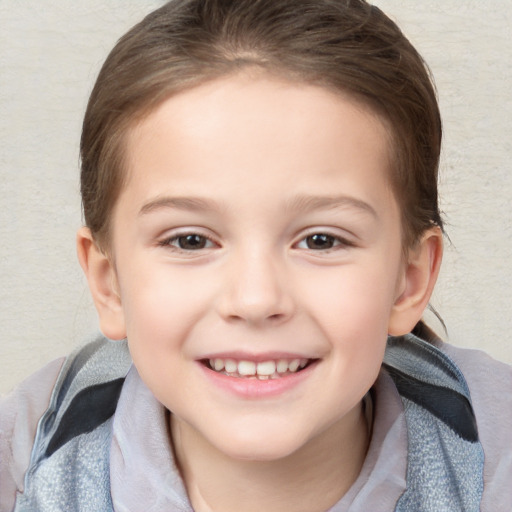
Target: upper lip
[(265, 356)]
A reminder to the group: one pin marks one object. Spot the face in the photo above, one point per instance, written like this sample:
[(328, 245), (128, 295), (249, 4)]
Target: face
[(258, 258)]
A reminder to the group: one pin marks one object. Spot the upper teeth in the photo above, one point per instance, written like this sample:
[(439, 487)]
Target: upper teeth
[(263, 368)]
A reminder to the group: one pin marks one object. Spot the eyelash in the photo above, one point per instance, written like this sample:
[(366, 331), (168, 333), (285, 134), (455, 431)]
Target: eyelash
[(337, 241), (169, 242)]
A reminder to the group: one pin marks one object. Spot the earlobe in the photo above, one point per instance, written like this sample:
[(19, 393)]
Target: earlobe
[(102, 280), (420, 276)]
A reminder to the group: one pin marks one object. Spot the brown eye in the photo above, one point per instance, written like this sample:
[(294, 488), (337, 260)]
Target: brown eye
[(320, 241), (187, 243), (191, 242)]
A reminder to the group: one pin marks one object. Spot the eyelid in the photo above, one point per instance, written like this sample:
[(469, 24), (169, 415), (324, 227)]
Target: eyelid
[(344, 240), (165, 241)]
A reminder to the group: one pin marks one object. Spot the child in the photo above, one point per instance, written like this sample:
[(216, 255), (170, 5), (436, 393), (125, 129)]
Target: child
[(259, 184)]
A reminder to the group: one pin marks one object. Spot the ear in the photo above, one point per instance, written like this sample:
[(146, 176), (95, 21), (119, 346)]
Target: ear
[(418, 280), (102, 279)]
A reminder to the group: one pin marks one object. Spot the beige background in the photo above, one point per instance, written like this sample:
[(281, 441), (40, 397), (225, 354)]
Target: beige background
[(50, 53)]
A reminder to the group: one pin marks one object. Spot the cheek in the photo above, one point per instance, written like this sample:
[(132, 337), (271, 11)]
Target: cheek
[(157, 292), (354, 300), (162, 306), (153, 307), (159, 319)]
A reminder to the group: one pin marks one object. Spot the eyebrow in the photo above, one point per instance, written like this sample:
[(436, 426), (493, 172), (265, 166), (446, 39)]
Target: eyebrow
[(195, 204), (309, 203), (303, 203)]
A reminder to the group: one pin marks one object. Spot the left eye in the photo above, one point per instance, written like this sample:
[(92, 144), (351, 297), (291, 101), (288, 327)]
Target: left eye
[(189, 242), (320, 242)]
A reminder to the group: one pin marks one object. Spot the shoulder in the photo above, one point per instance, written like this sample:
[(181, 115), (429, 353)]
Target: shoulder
[(20, 412), (490, 385), (489, 381), (68, 397)]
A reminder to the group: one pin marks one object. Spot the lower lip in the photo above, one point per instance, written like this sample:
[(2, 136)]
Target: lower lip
[(254, 388)]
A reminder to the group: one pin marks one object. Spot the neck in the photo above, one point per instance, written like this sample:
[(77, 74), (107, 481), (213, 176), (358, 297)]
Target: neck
[(311, 479)]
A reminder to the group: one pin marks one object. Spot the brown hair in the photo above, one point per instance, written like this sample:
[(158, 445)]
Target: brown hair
[(345, 45)]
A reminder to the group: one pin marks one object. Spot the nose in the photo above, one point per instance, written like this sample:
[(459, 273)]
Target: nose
[(256, 290)]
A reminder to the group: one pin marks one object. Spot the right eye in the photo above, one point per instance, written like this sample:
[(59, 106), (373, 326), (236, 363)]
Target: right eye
[(188, 242), (321, 241)]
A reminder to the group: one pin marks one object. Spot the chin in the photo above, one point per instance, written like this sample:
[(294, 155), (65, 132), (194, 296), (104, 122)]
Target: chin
[(260, 447)]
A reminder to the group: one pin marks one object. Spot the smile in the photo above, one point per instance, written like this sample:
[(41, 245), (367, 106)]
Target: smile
[(261, 370)]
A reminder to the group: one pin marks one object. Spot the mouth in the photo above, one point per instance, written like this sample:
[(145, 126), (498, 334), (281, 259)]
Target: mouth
[(271, 369)]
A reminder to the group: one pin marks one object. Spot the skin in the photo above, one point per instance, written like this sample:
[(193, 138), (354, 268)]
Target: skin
[(255, 166)]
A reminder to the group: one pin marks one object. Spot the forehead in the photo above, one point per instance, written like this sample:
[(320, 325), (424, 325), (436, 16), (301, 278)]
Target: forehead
[(228, 117)]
